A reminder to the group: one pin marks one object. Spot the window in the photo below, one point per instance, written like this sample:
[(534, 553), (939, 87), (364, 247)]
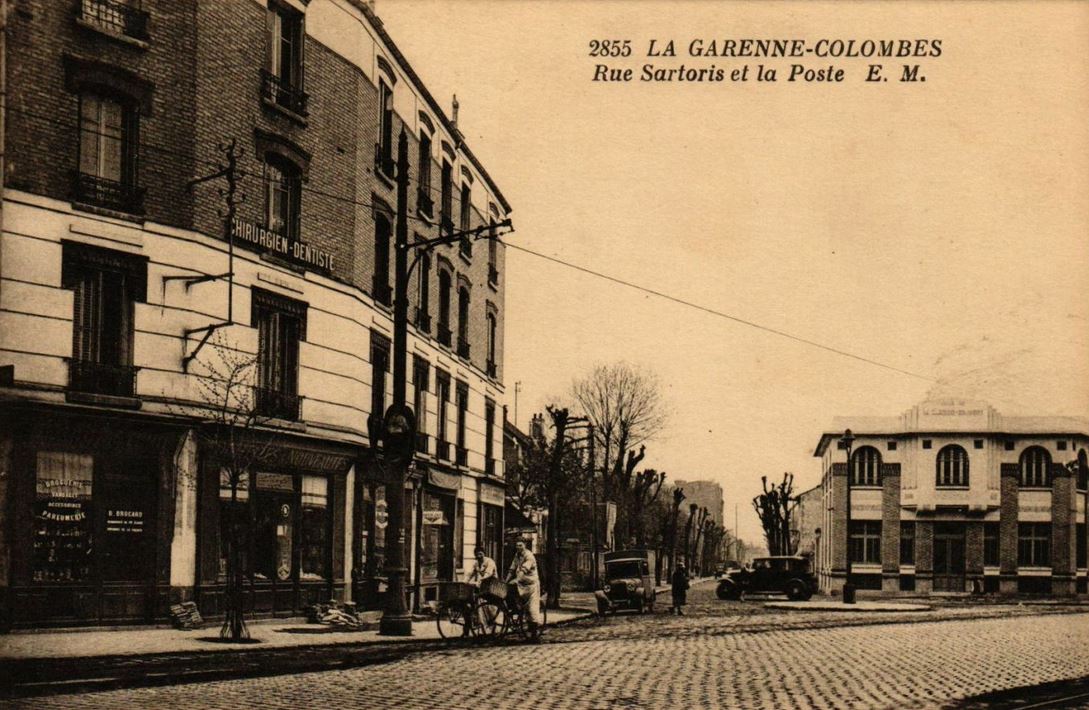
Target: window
[(463, 322), (444, 306), (952, 467), (907, 543), (1008, 445), (1060, 445), (234, 521), (108, 140), (283, 196), (447, 197), (442, 394), (382, 291), (991, 557), (1083, 471), (424, 203), (1035, 468), (63, 517), (281, 325), (865, 541), (379, 368), (383, 159), (489, 435), (866, 467), (123, 17), (315, 527), (927, 443), (491, 321), (891, 446), (466, 211), (283, 80), (978, 443), (1034, 544), (463, 407), (423, 303), (420, 375), (491, 531), (105, 286)]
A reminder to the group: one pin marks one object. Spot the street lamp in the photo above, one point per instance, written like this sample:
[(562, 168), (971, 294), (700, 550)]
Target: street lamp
[(847, 440)]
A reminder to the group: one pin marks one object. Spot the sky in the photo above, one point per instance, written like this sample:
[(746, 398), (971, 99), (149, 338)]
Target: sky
[(939, 228)]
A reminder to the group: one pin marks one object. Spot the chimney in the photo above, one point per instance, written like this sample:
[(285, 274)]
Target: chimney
[(536, 426), (454, 120)]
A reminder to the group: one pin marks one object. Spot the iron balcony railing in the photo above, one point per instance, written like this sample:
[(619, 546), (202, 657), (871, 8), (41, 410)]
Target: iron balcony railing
[(383, 160), (101, 378), (275, 403), (444, 334), (424, 202), (121, 18), (463, 348), (283, 93), (101, 192), (421, 442), (383, 293), (442, 450), (462, 456)]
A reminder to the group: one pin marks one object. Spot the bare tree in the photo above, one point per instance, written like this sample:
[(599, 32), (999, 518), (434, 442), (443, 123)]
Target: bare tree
[(774, 507), (625, 406), (646, 486)]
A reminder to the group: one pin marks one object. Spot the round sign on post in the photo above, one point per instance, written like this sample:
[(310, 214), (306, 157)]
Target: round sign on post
[(399, 430), (381, 515)]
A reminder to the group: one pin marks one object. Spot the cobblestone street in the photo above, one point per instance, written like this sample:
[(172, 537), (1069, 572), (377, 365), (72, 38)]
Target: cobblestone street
[(720, 655)]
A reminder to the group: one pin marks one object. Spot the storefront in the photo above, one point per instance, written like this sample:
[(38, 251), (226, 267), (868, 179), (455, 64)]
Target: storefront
[(438, 530), (288, 520), (92, 508), (490, 519)]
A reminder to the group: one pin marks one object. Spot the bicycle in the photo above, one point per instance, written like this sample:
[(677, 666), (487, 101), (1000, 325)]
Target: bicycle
[(500, 610), (454, 614)]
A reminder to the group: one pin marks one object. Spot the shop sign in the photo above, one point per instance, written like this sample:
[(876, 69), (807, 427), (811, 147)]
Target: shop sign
[(435, 517), (265, 239), (441, 479), (492, 495), (275, 481), (64, 511), (381, 515), (125, 521)]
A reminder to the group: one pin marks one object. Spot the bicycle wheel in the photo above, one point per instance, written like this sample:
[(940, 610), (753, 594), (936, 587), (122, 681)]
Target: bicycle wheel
[(490, 617), (451, 621)]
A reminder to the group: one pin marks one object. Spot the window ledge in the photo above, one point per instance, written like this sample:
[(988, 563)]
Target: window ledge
[(951, 488), (429, 218), (493, 285), (1034, 488), (290, 424), (866, 486), (386, 180), (287, 113), (467, 258), (103, 400), (116, 36), (106, 212)]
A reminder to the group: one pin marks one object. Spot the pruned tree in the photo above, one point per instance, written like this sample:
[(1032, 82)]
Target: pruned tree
[(646, 485), (774, 507)]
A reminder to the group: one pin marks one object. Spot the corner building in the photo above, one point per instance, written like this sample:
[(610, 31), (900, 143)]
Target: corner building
[(954, 497), (122, 305)]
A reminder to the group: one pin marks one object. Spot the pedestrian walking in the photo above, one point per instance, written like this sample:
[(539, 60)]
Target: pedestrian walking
[(680, 589)]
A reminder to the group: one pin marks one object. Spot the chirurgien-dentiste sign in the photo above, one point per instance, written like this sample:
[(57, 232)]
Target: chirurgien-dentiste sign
[(265, 239)]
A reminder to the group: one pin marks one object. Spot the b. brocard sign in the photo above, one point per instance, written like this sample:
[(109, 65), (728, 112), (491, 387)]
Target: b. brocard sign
[(267, 240)]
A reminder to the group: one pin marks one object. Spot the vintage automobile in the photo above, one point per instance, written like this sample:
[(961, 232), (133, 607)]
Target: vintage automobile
[(628, 583), (789, 575)]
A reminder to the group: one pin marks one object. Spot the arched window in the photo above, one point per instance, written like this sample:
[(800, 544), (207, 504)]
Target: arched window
[(382, 232), (952, 466), (423, 303), (1035, 468), (463, 322), (444, 306), (866, 467), (491, 321), (283, 196)]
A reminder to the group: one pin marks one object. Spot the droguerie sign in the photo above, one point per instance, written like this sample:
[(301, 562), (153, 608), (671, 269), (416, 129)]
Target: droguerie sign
[(267, 240)]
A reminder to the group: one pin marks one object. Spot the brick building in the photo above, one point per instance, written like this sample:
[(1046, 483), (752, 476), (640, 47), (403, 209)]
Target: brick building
[(952, 497), (115, 263)]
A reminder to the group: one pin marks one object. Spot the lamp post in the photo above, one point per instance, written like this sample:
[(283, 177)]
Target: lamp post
[(848, 439)]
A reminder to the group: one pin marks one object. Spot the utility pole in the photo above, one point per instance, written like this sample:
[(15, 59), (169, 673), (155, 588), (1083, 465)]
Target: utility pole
[(593, 510)]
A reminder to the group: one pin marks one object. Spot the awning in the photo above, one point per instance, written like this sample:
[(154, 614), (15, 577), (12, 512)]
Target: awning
[(441, 479), (516, 521)]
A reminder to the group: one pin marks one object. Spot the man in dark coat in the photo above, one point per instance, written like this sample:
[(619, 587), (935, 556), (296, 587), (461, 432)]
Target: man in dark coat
[(680, 589)]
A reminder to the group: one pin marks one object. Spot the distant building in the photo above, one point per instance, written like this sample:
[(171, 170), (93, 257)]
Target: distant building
[(951, 496), (705, 494), (805, 523)]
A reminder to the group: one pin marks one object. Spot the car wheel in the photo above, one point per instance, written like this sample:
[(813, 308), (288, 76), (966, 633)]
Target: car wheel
[(728, 591), (795, 590), (639, 607)]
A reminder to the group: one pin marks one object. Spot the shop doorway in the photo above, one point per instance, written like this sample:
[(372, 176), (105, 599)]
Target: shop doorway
[(949, 557)]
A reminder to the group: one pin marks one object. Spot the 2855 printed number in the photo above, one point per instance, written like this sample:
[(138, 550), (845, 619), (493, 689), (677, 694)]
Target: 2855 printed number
[(610, 48)]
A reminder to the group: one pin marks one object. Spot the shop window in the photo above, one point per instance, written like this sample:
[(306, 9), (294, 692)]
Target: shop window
[(282, 82), (442, 394), (382, 292), (1035, 468), (463, 322), (234, 520), (283, 196), (446, 218), (63, 517), (424, 203), (464, 221), (281, 325), (108, 150), (991, 557), (463, 408), (1034, 544), (952, 467), (866, 467), (865, 541), (491, 531), (314, 528), (436, 549), (907, 543), (105, 286), (275, 516), (445, 287)]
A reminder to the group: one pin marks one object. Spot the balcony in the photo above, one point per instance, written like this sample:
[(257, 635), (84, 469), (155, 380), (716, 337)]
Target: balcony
[(422, 442), (493, 275), (444, 334), (276, 90), (463, 348), (383, 160), (489, 466), (120, 18), (424, 202), (492, 369), (462, 456), (423, 320), (101, 378), (110, 194), (442, 450), (381, 289), (276, 404)]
